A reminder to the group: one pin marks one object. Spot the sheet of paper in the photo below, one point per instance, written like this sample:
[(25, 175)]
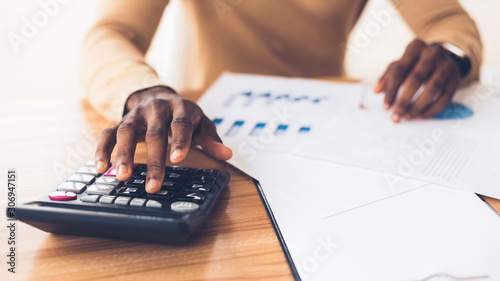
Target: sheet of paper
[(264, 118), (423, 232), (459, 149)]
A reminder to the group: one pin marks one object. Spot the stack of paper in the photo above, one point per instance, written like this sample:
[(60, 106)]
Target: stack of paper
[(344, 210)]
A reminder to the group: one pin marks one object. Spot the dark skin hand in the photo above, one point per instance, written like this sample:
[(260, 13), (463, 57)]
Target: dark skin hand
[(154, 114), (421, 65)]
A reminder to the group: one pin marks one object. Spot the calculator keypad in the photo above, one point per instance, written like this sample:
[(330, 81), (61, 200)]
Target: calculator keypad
[(184, 190)]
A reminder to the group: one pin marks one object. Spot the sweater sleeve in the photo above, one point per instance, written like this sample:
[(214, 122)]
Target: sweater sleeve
[(113, 64), (444, 21)]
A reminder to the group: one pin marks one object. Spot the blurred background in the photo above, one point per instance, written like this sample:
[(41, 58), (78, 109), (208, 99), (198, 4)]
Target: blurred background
[(45, 67)]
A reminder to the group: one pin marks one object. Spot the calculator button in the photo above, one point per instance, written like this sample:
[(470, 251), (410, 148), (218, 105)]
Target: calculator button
[(204, 179), (198, 187), (153, 204), (175, 177), (90, 198), (138, 202), (122, 200), (76, 187), (207, 172), (89, 163), (62, 196), (130, 191), (100, 189), (140, 174), (86, 179), (107, 199), (108, 180), (184, 207), (170, 185), (177, 169), (136, 182), (162, 194), (196, 197), (112, 170), (87, 170)]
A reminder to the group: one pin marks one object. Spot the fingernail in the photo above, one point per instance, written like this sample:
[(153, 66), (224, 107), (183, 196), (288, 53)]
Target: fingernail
[(395, 117), (122, 169), (176, 154), (386, 106), (99, 166), (152, 185)]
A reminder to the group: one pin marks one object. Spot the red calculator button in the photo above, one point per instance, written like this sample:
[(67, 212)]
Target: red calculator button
[(112, 170), (62, 196)]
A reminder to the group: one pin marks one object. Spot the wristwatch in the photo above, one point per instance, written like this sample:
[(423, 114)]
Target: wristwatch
[(458, 55)]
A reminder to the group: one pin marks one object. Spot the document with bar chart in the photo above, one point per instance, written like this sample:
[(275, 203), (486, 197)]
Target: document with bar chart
[(458, 148), (263, 119)]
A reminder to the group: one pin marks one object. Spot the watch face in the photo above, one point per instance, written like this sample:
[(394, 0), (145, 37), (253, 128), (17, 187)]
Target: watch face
[(454, 49)]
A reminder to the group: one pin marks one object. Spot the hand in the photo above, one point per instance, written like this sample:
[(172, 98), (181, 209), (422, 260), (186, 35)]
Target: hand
[(153, 114), (422, 65)]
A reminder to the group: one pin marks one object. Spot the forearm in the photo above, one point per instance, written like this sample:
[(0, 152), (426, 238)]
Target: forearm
[(113, 64), (445, 21)]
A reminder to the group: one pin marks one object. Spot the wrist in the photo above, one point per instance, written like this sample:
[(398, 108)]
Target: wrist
[(145, 94), (458, 56)]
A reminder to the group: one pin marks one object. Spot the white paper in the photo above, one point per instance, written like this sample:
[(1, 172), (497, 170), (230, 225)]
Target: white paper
[(264, 152), (460, 153), (423, 232)]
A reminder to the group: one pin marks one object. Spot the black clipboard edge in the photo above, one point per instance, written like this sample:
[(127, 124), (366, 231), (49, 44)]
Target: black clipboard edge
[(277, 230)]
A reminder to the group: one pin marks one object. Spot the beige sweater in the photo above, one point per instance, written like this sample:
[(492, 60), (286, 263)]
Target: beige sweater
[(280, 37)]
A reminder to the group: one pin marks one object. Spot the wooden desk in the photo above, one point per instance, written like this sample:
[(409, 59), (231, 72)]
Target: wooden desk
[(43, 141)]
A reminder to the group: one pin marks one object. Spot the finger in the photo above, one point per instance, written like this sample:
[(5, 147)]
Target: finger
[(156, 143), (431, 93), (397, 71), (420, 74), (206, 136), (125, 148), (105, 145), (379, 87), (183, 117), (443, 101)]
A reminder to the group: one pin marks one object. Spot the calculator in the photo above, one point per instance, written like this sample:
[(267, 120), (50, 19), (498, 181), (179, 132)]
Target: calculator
[(87, 203)]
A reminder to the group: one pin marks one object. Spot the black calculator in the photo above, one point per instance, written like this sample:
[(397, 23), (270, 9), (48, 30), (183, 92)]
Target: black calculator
[(90, 204)]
